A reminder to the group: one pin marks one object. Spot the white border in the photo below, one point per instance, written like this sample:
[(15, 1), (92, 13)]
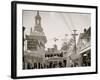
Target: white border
[(33, 72)]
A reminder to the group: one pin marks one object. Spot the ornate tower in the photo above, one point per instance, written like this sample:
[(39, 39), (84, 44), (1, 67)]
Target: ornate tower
[(38, 27), (35, 52)]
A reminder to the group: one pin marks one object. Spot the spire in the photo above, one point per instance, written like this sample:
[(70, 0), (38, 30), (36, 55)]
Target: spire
[(31, 30)]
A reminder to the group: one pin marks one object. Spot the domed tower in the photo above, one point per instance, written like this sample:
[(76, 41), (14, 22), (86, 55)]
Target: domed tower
[(37, 34)]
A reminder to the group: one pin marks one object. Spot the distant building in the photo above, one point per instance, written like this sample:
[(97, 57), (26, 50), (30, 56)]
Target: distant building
[(54, 58), (34, 54)]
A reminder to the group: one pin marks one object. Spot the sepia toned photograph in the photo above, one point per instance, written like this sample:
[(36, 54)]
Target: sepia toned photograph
[(53, 40), (56, 39)]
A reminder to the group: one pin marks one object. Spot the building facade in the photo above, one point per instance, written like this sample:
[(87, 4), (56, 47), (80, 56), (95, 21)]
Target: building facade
[(34, 53), (85, 47)]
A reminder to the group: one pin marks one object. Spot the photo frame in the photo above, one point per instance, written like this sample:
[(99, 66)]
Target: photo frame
[(50, 39)]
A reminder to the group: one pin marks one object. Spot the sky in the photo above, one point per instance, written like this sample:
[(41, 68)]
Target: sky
[(57, 24)]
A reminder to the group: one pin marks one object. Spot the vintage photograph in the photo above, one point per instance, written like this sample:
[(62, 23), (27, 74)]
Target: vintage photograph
[(54, 39)]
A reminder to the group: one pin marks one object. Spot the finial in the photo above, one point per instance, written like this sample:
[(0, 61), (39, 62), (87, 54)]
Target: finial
[(37, 12)]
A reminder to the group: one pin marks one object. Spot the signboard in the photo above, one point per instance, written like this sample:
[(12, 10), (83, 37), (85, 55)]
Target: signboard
[(32, 44)]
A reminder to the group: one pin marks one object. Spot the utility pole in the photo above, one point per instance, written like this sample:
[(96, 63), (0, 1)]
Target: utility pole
[(74, 36)]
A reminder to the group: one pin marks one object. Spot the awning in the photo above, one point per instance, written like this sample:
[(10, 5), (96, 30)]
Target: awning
[(84, 50)]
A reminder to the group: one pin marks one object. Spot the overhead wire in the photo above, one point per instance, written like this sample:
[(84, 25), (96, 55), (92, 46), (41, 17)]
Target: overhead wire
[(66, 22)]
